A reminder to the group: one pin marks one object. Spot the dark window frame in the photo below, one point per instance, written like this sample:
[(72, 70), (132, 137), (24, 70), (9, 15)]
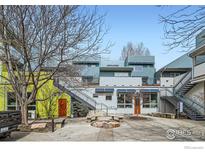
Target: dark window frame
[(199, 63), (108, 97), (149, 97), (95, 95), (124, 100), (11, 106)]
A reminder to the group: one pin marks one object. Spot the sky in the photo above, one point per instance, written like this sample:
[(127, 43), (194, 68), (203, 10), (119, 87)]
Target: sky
[(138, 24)]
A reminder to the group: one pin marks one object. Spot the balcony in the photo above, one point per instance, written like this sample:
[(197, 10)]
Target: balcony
[(121, 81), (198, 56), (199, 70)]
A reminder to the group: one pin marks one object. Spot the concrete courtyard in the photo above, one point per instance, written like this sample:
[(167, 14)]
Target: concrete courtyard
[(150, 129)]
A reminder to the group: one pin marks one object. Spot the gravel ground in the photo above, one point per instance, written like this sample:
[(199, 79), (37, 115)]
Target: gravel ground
[(151, 129)]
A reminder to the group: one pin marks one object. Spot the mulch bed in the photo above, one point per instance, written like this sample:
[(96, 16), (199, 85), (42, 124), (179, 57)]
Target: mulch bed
[(138, 118)]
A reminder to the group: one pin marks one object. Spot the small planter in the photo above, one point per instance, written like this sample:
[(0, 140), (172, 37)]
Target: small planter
[(105, 124)]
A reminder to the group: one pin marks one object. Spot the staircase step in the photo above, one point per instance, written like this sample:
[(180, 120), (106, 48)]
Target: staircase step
[(197, 117), (200, 116)]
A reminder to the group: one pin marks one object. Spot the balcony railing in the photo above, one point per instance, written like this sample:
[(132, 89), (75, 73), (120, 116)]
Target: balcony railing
[(120, 81), (199, 70)]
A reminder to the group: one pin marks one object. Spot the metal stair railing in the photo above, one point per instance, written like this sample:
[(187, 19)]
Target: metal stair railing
[(89, 100), (187, 108), (190, 112), (188, 103), (86, 98), (101, 107), (61, 87), (181, 83), (198, 108)]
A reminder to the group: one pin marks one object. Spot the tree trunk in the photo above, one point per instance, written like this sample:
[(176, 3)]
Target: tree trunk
[(24, 114)]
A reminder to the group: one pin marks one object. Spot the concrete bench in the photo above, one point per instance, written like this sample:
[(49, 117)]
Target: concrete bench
[(117, 118), (164, 115), (156, 114), (170, 115)]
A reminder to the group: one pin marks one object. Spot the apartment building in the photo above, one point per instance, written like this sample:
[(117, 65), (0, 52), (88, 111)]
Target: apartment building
[(133, 87), (179, 66), (143, 66), (185, 93), (88, 67), (198, 74), (121, 87)]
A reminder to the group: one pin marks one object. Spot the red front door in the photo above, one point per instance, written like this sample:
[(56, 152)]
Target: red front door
[(137, 106), (62, 107)]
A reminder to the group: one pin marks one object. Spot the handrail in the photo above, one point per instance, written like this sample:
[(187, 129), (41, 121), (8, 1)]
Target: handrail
[(182, 82), (189, 110), (85, 95), (185, 74), (191, 100), (184, 97), (88, 97), (102, 104), (106, 107), (56, 82), (96, 103)]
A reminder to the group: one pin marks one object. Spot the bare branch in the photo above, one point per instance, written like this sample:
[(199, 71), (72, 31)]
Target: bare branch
[(38, 37), (182, 26), (133, 50)]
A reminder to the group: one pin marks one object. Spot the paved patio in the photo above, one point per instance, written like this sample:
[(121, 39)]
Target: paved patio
[(151, 129)]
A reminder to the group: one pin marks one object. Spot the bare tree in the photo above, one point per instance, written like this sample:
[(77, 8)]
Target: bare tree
[(182, 26), (38, 37), (134, 50)]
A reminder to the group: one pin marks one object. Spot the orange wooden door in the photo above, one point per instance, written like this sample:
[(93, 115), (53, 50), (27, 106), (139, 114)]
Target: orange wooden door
[(62, 107), (137, 109)]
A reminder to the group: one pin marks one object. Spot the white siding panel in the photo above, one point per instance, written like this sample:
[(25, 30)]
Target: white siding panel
[(120, 81), (199, 70), (166, 82)]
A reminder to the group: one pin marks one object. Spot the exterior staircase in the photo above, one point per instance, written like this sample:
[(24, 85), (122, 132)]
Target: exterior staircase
[(192, 109), (184, 85), (81, 97), (171, 99)]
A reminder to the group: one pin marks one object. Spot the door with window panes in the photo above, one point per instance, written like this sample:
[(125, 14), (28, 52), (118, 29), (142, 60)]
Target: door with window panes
[(150, 100), (124, 100)]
